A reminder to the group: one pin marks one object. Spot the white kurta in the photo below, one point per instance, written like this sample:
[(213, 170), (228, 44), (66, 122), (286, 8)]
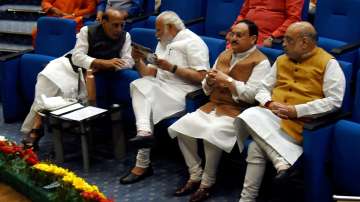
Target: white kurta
[(81, 59), (56, 79), (219, 130), (166, 92), (61, 73), (267, 125)]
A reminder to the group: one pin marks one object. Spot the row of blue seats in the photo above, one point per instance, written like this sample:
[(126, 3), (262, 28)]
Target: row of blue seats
[(20, 77), (335, 21)]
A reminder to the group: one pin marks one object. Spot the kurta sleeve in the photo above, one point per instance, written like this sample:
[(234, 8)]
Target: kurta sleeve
[(246, 91), (207, 89), (197, 55), (46, 5), (88, 8), (79, 56), (334, 90), (126, 52), (267, 84), (293, 13)]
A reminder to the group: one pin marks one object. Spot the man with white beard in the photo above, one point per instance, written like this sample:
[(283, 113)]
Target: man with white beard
[(181, 64)]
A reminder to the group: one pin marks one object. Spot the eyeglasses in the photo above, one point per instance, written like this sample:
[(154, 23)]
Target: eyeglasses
[(238, 34)]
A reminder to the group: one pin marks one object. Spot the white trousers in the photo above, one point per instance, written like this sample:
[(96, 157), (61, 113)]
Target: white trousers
[(189, 149), (142, 111), (43, 86), (259, 153)]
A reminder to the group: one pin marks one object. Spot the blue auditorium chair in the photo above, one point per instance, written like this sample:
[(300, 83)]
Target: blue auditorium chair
[(55, 37), (337, 25), (336, 162), (316, 145), (219, 16), (188, 10)]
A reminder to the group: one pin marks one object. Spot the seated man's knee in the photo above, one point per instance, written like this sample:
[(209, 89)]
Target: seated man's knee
[(255, 154)]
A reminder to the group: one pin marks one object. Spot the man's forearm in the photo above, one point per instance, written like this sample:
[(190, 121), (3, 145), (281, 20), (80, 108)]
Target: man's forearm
[(98, 64), (190, 75)]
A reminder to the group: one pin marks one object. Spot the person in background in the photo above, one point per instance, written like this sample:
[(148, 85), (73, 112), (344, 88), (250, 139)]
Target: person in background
[(130, 7), (70, 9), (231, 85), (272, 17), (181, 64), (304, 83)]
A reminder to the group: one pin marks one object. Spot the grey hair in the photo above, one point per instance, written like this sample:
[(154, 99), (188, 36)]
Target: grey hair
[(171, 18)]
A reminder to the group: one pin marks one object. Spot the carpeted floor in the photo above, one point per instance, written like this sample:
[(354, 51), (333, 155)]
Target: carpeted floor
[(105, 171), (10, 195)]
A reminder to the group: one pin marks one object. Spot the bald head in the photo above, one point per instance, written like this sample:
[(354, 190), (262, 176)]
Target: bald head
[(113, 23), (112, 13), (304, 29)]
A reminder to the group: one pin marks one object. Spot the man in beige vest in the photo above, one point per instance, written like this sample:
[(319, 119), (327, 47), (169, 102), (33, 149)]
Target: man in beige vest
[(305, 83), (232, 87)]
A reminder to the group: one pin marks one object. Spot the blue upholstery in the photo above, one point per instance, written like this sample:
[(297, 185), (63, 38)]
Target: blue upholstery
[(55, 36), (186, 9), (316, 147), (305, 10), (19, 80), (356, 106), (271, 53), (220, 15), (337, 144), (345, 161), (337, 24), (144, 36)]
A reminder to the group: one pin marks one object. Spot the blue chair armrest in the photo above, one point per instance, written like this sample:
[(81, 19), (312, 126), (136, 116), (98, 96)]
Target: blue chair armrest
[(345, 48), (11, 98), (316, 147), (195, 99), (326, 120)]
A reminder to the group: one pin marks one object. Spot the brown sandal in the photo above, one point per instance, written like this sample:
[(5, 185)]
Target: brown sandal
[(31, 140)]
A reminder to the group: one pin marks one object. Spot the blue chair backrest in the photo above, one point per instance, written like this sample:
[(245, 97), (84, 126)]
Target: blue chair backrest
[(305, 10), (338, 19), (220, 15), (271, 53), (55, 36), (186, 9), (31, 65), (346, 158), (216, 46), (356, 109), (149, 6), (144, 36)]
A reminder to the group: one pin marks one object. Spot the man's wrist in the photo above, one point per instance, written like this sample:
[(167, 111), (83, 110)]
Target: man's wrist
[(267, 104)]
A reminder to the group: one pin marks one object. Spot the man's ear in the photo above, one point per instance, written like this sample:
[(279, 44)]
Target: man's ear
[(254, 39)]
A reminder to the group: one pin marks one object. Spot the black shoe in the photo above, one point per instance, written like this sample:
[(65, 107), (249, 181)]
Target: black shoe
[(188, 188), (132, 178), (142, 141)]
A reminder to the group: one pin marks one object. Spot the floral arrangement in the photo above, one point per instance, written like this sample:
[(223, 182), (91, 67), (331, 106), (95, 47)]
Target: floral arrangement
[(64, 183)]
